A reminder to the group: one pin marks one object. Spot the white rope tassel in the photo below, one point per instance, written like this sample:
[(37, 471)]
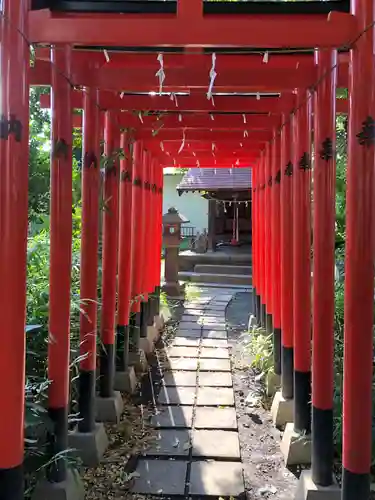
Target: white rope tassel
[(173, 98), (180, 117), (244, 118), (265, 57), (162, 146), (140, 116), (212, 117), (183, 142), (160, 73), (106, 55), (258, 96), (213, 76), (122, 95), (245, 133)]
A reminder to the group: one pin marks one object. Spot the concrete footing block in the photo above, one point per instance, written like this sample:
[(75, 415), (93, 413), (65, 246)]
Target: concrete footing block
[(281, 410), (308, 490), (109, 409), (146, 345), (273, 383), (89, 446), (295, 447), (70, 489), (126, 381), (159, 322), (153, 333), (138, 361)]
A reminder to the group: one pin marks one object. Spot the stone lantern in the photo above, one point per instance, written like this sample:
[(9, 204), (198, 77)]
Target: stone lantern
[(172, 221)]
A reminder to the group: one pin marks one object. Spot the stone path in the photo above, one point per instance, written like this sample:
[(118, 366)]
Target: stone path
[(197, 451)]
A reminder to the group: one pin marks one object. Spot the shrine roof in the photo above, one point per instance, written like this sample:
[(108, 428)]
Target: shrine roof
[(213, 179)]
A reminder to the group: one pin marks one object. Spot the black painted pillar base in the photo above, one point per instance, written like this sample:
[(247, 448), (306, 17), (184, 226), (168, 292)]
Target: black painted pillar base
[(277, 351), (134, 332), (86, 400), (258, 301), (122, 348), (302, 402), (57, 444), (12, 483), (107, 370), (151, 310), (322, 446), (263, 315), (157, 300), (287, 372), (143, 320), (255, 310), (355, 486), (269, 327)]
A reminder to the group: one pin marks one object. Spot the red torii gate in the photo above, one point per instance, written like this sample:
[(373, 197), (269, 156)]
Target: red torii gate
[(281, 198)]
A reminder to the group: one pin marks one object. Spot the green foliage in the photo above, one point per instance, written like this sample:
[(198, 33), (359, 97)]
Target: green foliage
[(259, 345)]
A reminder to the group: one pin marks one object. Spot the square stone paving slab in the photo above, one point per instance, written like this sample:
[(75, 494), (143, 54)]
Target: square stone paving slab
[(214, 343), (188, 364), (183, 352), (215, 379), (177, 395), (221, 479), (209, 333), (215, 326), (189, 325), (194, 307), (219, 318), (191, 334), (160, 477), (172, 442), (215, 396), (186, 317), (215, 418), (173, 416), (186, 341), (214, 352), (211, 365), (180, 378), (216, 444)]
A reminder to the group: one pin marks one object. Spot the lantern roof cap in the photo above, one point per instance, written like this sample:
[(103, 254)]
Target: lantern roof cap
[(174, 217)]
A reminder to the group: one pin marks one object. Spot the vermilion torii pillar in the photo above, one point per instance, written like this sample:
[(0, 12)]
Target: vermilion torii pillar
[(110, 255), (136, 229), (125, 263), (324, 266), (275, 240), (261, 226), (89, 258), (13, 229), (159, 180), (302, 264), (359, 262), (268, 237), (254, 232), (144, 248), (293, 438), (286, 261), (60, 259)]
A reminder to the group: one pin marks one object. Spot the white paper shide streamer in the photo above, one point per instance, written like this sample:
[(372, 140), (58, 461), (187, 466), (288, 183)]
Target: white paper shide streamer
[(213, 76), (183, 142), (160, 73)]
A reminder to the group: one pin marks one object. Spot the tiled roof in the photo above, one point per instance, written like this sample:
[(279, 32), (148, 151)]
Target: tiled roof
[(211, 179)]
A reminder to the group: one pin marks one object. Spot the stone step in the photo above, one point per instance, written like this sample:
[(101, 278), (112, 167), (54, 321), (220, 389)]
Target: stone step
[(222, 269), (227, 279)]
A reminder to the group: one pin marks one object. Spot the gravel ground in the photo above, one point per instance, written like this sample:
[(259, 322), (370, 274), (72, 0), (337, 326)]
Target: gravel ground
[(264, 470)]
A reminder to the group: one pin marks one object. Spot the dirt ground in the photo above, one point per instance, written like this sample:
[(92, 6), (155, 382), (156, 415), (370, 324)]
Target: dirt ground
[(264, 470)]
